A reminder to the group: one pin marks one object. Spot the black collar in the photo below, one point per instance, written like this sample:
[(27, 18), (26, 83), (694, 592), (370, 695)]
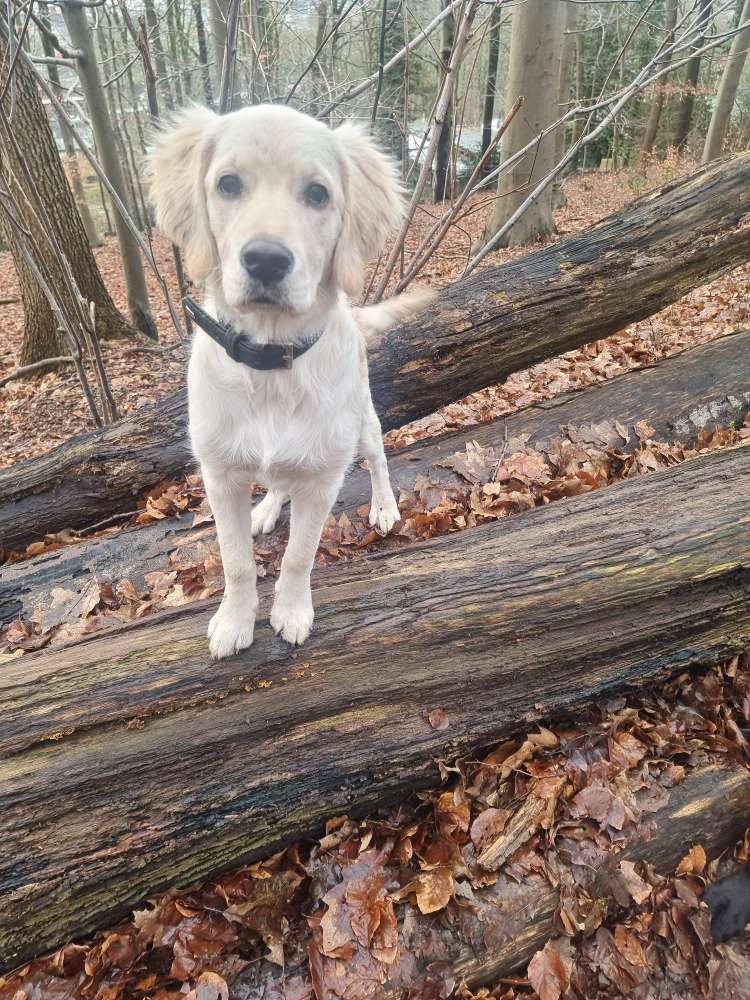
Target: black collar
[(240, 347)]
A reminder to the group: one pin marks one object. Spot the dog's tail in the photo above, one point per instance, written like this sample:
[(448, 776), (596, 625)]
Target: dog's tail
[(383, 315)]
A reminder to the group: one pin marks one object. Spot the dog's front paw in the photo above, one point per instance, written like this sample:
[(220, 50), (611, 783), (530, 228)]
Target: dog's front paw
[(384, 513), (229, 631), (292, 620), (266, 513)]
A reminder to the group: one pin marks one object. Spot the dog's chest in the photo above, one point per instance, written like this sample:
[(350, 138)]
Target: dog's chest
[(277, 426)]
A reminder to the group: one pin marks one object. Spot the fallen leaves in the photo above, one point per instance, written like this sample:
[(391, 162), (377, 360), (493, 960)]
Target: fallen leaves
[(396, 899)]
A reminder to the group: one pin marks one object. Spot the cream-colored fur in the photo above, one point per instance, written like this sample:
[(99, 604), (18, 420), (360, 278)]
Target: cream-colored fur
[(293, 431)]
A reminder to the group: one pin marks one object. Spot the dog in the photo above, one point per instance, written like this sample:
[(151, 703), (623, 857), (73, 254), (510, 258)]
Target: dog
[(277, 216)]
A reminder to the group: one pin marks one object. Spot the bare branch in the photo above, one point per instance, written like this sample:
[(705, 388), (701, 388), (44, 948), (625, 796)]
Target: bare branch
[(446, 92), (371, 81), (38, 366)]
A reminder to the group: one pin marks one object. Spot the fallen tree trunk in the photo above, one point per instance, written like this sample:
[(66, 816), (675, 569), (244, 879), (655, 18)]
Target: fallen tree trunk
[(498, 321), (511, 920), (130, 763), (691, 392)]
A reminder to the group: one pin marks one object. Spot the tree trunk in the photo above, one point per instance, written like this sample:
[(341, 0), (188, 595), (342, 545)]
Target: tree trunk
[(730, 80), (91, 84), (444, 153), (107, 52), (657, 104), (128, 766), (567, 63), (37, 145), (217, 19), (317, 71), (536, 43), (40, 335), (200, 31), (692, 72), (498, 321), (682, 396), (154, 34), (71, 151), (580, 121), (511, 920), (490, 88), (173, 50)]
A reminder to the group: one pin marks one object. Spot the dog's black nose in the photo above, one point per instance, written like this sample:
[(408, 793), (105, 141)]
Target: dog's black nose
[(267, 262)]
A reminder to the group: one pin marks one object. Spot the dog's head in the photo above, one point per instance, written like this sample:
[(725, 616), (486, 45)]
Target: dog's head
[(272, 206)]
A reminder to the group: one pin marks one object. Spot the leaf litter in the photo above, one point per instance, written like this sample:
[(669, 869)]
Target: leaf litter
[(395, 904), (483, 484)]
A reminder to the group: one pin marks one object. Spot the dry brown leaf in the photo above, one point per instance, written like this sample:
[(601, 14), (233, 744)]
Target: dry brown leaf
[(438, 719), (548, 973), (694, 861)]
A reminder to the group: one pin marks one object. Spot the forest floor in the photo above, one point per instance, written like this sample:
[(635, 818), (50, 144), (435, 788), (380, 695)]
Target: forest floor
[(652, 943)]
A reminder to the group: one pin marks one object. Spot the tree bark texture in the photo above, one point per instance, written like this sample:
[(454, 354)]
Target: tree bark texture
[(534, 74), (40, 336), (500, 320), (695, 391), (567, 65), (37, 145), (131, 763)]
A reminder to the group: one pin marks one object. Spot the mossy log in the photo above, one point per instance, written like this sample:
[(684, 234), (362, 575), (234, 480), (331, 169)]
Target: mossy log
[(498, 321), (130, 763)]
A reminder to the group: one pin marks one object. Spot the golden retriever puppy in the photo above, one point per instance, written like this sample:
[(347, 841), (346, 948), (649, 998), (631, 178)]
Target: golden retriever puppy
[(277, 216)]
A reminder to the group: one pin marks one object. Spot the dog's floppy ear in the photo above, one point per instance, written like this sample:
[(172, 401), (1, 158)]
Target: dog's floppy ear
[(177, 168), (374, 206)]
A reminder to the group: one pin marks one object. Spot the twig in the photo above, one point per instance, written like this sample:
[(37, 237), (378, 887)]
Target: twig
[(319, 49), (432, 240), (105, 390), (615, 103), (37, 366), (446, 92), (19, 48), (105, 522), (360, 88)]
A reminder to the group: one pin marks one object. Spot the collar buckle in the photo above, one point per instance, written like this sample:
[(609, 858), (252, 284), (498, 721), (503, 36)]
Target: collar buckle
[(287, 355)]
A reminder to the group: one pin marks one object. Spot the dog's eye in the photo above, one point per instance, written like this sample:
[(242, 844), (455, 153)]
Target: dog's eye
[(316, 195), (230, 185)]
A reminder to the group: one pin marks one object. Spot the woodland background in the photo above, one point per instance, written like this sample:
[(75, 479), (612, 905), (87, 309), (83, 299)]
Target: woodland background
[(517, 125)]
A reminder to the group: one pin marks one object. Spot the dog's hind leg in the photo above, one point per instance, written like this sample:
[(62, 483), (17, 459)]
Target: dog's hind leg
[(383, 509), (266, 513)]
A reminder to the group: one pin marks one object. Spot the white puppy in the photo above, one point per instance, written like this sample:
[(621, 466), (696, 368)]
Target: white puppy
[(277, 215)]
